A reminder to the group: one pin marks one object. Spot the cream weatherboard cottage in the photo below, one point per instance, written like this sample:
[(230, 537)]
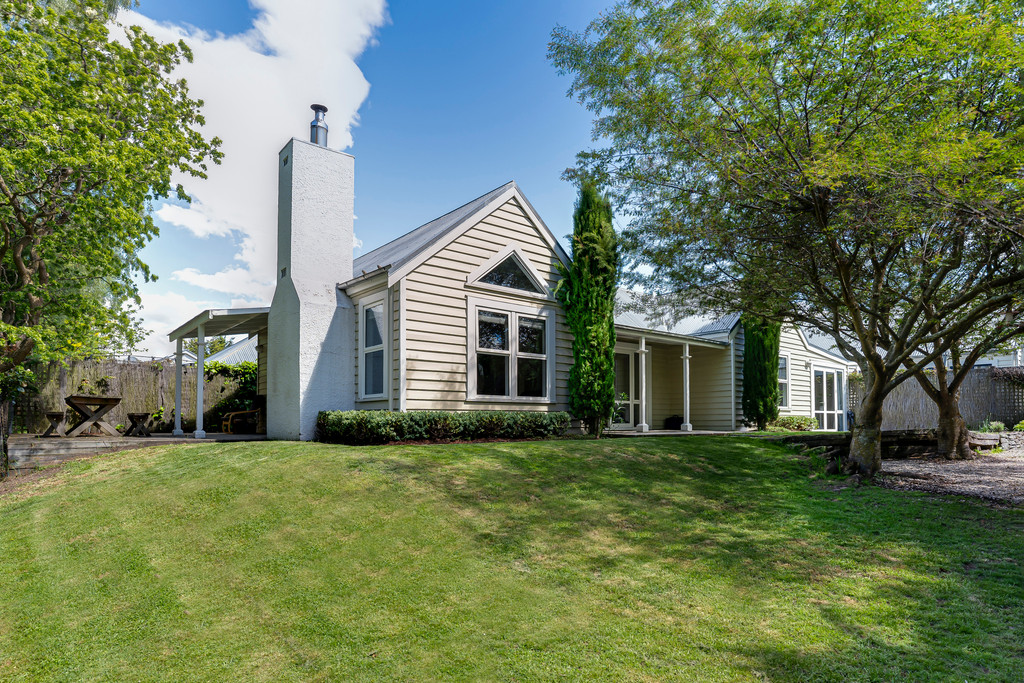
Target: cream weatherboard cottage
[(459, 314)]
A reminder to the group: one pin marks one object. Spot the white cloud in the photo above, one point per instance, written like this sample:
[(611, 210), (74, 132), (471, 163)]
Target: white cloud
[(195, 218), (163, 313), (233, 280), (257, 87)]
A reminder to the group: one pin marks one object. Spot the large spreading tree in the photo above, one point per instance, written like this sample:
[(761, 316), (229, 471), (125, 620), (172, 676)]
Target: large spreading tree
[(92, 127), (587, 293), (852, 165)]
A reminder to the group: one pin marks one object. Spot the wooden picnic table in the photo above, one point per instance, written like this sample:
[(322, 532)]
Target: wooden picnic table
[(92, 409)]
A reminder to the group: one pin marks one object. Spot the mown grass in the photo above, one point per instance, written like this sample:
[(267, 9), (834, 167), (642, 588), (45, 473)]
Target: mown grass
[(632, 559)]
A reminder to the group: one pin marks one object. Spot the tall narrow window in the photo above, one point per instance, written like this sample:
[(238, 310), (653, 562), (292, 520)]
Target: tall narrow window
[(783, 381), (531, 360), (373, 350), (493, 354)]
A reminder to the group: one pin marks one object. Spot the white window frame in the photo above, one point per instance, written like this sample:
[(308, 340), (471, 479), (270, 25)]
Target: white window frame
[(370, 302), (514, 250), (788, 381), (514, 311)]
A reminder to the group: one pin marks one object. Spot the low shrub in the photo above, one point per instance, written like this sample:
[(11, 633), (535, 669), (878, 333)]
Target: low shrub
[(793, 423), (992, 426), (363, 427), (1019, 427)]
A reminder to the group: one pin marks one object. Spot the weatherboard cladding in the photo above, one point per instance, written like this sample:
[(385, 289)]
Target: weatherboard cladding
[(436, 311)]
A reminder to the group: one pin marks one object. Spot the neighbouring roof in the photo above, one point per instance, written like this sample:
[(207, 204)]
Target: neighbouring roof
[(401, 250), (239, 352)]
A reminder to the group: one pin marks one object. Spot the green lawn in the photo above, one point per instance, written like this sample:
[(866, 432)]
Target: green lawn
[(695, 558)]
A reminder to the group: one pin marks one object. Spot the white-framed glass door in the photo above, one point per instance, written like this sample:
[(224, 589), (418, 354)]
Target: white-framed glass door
[(627, 388), (828, 399)]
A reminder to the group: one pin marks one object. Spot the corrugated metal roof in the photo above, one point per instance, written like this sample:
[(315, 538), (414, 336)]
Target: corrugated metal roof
[(401, 250), (239, 352), (693, 326)]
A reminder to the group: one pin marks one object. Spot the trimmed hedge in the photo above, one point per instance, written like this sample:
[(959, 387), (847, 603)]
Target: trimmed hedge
[(793, 423), (362, 427)]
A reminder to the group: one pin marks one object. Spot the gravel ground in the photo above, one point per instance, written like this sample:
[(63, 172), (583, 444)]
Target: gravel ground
[(996, 477)]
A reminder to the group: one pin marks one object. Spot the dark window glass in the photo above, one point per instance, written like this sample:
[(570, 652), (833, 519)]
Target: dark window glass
[(783, 393), (531, 335), (491, 375), (373, 383), (531, 378), (783, 367), (373, 318), (493, 330), (622, 377), (509, 273)]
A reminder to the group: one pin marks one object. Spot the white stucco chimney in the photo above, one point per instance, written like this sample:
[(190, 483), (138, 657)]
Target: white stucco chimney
[(311, 334)]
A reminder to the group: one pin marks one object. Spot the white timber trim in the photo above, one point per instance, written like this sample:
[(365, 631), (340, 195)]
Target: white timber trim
[(403, 347), (643, 426), (686, 426)]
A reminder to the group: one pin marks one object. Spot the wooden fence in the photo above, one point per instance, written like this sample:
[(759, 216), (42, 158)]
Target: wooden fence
[(981, 398), (143, 387)]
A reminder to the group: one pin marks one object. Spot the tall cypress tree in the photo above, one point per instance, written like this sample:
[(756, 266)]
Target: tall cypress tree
[(760, 370), (587, 292)]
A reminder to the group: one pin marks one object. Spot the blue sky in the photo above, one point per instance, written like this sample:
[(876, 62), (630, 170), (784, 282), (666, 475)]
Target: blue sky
[(439, 102)]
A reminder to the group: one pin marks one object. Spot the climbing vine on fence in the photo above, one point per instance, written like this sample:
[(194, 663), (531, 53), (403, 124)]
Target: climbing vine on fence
[(1014, 375)]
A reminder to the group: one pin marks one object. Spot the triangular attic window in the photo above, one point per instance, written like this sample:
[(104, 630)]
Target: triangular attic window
[(510, 273)]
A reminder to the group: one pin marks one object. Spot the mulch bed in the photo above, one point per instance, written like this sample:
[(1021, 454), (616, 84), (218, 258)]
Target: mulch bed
[(997, 477)]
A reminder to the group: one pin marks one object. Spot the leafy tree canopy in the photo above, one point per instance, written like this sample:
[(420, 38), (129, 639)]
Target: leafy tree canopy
[(850, 164), (93, 127)]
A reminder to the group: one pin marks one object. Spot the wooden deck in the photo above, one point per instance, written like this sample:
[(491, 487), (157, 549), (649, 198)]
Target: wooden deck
[(29, 452)]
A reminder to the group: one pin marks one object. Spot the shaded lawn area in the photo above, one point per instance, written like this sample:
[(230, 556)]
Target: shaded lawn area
[(696, 558)]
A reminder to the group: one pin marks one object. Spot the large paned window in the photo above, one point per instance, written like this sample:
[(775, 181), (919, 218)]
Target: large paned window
[(511, 352), (372, 351), (783, 381)]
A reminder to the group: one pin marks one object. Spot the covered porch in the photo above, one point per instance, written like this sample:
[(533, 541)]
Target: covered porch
[(214, 323), (670, 383)]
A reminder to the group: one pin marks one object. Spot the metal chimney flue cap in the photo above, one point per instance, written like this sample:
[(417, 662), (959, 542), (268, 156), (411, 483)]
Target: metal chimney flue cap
[(318, 127)]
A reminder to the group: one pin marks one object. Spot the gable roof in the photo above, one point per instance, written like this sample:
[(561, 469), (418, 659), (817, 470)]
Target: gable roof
[(405, 252)]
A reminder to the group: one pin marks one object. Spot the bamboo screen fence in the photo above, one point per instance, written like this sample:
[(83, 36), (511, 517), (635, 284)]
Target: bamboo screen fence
[(143, 387), (982, 397)]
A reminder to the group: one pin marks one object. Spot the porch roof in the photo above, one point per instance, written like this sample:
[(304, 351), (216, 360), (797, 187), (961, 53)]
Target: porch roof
[(223, 321), (668, 337)]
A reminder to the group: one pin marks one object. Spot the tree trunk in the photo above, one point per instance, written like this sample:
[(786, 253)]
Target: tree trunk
[(953, 437), (866, 439)]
